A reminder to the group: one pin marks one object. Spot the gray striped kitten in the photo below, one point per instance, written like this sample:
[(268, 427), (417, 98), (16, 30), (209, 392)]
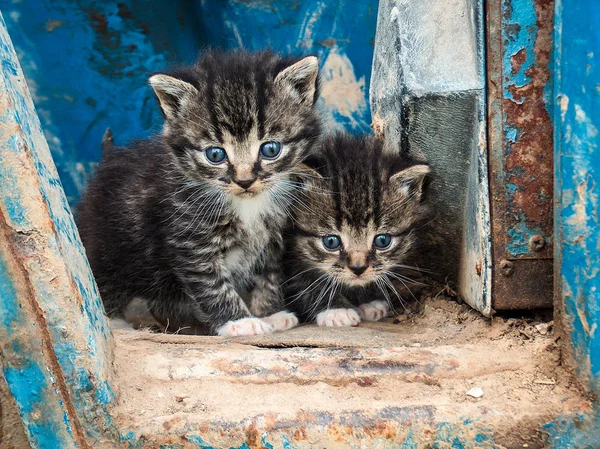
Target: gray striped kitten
[(191, 221), (355, 232)]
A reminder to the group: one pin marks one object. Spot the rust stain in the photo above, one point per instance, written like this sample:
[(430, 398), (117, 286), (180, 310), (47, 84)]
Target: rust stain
[(517, 60), (339, 432), (253, 436), (529, 162), (51, 25), (382, 429), (98, 22), (300, 434)]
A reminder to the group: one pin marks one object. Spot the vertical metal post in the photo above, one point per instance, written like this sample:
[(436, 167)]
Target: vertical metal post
[(577, 188), (428, 99), (519, 44), (55, 342)]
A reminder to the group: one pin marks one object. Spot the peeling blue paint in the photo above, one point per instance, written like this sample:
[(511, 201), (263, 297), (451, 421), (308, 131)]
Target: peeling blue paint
[(108, 49), (465, 434), (527, 134), (42, 234), (30, 383), (577, 192), (519, 32), (577, 152), (575, 432)]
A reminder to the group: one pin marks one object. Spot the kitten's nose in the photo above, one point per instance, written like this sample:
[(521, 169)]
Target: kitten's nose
[(245, 183), (358, 269)]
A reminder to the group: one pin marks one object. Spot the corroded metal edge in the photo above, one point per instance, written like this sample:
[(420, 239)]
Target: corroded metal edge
[(519, 139)]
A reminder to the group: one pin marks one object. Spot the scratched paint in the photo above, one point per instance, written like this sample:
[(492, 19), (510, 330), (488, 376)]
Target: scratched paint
[(24, 370), (340, 32), (63, 301), (108, 49), (465, 434), (577, 122)]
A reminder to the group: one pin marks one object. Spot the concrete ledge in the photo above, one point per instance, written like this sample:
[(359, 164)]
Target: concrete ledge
[(363, 387)]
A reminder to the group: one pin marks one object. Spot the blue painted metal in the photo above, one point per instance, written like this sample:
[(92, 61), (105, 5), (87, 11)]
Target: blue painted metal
[(87, 62), (577, 195), (56, 344), (577, 153)]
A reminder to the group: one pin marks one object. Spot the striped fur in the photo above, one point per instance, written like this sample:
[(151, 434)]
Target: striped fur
[(160, 222), (354, 192)]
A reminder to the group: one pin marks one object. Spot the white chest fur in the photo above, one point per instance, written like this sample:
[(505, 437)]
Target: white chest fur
[(252, 214), (252, 210)]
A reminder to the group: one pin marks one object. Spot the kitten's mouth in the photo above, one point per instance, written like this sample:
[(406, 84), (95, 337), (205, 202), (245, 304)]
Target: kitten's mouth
[(246, 193), (358, 280)]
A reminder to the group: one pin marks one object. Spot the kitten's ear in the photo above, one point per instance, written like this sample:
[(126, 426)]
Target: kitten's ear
[(411, 181), (300, 79), (170, 92), (307, 174)]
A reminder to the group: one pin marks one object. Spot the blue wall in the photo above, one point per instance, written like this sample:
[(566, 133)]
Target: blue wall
[(87, 62)]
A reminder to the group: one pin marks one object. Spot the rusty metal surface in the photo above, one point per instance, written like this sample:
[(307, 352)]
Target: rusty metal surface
[(520, 142)]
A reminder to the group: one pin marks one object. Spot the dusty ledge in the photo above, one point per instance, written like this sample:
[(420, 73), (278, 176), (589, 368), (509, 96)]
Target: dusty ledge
[(382, 384)]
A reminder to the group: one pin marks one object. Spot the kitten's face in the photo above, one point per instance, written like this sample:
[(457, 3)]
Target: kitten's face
[(359, 222), (243, 122)]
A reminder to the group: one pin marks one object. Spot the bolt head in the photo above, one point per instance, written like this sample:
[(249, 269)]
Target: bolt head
[(537, 242), (507, 268)]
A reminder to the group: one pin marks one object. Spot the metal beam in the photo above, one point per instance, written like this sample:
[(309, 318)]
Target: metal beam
[(56, 346)]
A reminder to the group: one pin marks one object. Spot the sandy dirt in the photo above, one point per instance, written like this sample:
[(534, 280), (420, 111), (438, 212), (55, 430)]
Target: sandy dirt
[(414, 369)]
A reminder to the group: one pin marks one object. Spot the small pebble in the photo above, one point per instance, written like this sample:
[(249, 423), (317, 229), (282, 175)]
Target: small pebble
[(543, 328), (400, 319), (475, 392)]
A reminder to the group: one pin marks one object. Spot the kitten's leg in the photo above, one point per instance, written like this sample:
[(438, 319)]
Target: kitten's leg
[(374, 310), (266, 299), (218, 303)]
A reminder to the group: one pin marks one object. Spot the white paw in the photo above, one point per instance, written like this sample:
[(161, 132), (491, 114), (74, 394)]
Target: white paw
[(245, 326), (119, 323), (338, 317), (282, 321), (374, 310)]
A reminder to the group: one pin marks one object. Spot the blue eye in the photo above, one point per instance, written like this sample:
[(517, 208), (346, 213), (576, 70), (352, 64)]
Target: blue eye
[(331, 242), (270, 150), (382, 241), (215, 155)]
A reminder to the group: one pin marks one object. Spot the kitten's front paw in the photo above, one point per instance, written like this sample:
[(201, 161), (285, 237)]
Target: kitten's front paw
[(338, 317), (374, 310), (245, 326), (282, 321)]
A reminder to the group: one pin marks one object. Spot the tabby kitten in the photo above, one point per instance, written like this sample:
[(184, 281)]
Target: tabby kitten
[(191, 220), (355, 232)]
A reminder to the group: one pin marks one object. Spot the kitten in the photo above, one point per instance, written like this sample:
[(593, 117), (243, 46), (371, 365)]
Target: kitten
[(191, 220), (354, 233)]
